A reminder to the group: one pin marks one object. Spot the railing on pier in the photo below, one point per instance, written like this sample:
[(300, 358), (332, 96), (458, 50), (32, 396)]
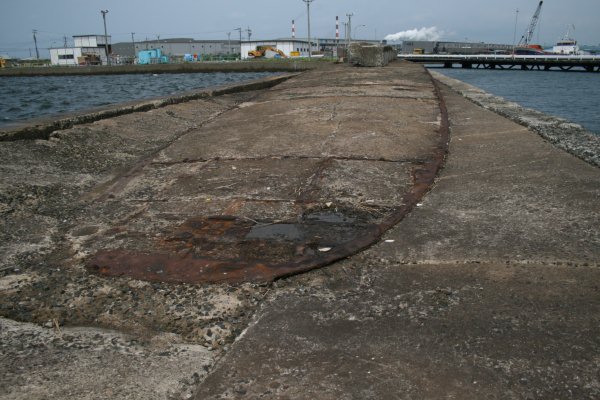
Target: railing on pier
[(502, 61)]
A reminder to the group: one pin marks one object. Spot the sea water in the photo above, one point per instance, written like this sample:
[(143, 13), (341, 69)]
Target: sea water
[(574, 96), (23, 98)]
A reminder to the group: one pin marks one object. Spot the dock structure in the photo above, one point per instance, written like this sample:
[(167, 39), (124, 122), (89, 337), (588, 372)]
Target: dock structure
[(508, 61)]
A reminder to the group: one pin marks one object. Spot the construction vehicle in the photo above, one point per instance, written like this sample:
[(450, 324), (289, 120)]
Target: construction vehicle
[(524, 46), (2, 62), (89, 59), (266, 52), (418, 51)]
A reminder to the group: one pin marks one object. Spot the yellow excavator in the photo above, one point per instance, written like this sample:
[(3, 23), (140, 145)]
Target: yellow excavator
[(267, 52)]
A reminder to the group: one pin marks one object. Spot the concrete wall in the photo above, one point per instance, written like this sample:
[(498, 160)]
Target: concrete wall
[(285, 65)]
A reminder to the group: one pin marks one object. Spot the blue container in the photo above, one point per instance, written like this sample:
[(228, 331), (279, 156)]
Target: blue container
[(152, 56)]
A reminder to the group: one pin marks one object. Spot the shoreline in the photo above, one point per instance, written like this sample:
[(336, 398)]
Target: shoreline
[(564, 134)]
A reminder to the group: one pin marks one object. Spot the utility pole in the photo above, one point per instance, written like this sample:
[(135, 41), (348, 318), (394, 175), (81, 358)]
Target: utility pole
[(249, 32), (37, 53), (133, 44), (65, 41), (240, 31), (350, 15), (228, 42), (104, 12), (515, 32), (308, 14)]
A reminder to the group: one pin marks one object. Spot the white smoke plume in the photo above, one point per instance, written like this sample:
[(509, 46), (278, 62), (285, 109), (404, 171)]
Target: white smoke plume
[(431, 33)]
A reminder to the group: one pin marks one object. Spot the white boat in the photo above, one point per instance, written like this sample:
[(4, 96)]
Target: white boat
[(567, 45)]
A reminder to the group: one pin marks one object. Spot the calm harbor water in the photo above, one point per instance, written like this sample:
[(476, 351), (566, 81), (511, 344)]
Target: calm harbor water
[(571, 95), (31, 97)]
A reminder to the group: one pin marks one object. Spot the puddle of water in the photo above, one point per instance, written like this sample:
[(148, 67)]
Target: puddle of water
[(289, 232), (330, 217)]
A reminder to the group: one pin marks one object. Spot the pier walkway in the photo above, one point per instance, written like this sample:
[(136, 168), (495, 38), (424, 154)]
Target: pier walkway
[(525, 62), (348, 233)]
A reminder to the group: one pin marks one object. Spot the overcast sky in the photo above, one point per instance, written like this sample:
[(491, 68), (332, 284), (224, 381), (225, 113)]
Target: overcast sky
[(452, 20)]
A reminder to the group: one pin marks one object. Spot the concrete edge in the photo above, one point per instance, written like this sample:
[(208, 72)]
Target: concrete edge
[(41, 129), (566, 135), (286, 65)]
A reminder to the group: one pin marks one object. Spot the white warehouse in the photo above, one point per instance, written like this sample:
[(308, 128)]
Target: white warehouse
[(287, 46), (87, 49)]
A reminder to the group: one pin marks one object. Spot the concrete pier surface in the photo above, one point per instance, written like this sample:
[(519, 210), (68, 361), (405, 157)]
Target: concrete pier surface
[(308, 240)]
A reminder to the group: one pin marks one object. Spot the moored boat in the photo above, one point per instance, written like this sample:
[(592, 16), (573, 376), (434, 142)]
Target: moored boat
[(567, 45)]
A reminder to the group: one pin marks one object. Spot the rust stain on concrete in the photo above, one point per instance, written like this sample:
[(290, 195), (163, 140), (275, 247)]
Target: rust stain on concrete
[(234, 249)]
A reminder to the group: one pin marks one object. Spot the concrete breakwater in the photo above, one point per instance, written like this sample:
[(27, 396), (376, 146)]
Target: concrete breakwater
[(486, 288), (234, 66)]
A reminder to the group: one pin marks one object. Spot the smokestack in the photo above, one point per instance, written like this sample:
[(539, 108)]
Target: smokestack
[(337, 28), (293, 30)]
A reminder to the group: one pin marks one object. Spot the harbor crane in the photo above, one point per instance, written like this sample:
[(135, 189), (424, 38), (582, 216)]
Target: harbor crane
[(526, 39)]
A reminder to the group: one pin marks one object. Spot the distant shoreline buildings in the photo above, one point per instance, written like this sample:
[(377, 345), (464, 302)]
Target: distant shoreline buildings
[(92, 49)]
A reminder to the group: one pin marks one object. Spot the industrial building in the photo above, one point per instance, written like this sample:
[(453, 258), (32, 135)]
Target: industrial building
[(289, 47), (87, 50), (177, 48), (435, 47), (293, 47), (91, 49)]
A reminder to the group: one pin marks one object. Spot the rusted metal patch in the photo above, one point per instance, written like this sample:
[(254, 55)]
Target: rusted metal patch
[(230, 249), (233, 250)]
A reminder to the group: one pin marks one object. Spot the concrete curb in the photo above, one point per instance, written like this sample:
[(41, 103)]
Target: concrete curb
[(564, 134)]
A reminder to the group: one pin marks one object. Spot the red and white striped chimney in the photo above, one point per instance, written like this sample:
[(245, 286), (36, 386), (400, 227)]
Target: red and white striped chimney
[(293, 30), (337, 28)]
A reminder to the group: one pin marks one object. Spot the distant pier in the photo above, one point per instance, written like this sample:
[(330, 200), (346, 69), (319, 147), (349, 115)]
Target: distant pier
[(524, 62)]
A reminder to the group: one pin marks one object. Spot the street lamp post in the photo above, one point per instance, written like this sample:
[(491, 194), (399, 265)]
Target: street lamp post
[(104, 12), (515, 31), (308, 14)]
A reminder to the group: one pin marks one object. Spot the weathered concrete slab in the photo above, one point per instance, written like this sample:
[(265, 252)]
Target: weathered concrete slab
[(152, 181), (522, 199), (284, 149), (45, 224), (487, 290), (91, 363), (370, 328), (477, 294)]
